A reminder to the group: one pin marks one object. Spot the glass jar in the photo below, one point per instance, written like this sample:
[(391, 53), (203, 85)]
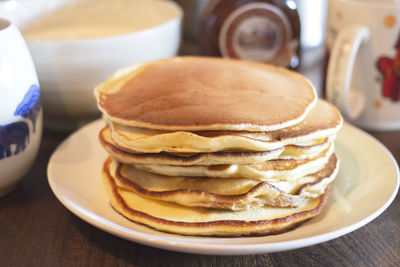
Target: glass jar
[(263, 31)]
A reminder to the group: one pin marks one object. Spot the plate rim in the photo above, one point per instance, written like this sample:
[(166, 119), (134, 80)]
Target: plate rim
[(175, 243)]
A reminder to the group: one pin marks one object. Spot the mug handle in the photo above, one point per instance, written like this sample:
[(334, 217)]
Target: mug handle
[(340, 68)]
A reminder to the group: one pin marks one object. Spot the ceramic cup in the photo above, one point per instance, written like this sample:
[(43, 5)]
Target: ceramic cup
[(20, 108), (363, 72)]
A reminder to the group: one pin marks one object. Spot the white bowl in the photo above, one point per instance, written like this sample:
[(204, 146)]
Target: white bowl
[(68, 70)]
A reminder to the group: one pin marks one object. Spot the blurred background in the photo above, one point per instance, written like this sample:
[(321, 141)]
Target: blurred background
[(312, 15), (76, 44)]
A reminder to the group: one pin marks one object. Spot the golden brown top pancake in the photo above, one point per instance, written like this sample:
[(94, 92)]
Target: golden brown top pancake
[(200, 93)]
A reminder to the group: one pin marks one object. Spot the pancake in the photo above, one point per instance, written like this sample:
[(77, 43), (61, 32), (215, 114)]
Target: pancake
[(323, 121), (174, 218), (215, 158), (234, 194), (216, 147), (271, 170), (200, 93)]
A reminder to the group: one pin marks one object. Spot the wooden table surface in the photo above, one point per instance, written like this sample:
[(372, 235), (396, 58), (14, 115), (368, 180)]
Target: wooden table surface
[(37, 230)]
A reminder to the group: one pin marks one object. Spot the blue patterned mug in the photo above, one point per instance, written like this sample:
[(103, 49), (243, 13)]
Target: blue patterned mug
[(20, 108)]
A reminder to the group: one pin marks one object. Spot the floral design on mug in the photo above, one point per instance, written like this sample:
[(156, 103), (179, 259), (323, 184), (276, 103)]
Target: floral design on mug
[(390, 69), (29, 107), (17, 133)]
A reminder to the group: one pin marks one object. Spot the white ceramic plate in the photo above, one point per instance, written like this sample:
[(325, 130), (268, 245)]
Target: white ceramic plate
[(367, 183)]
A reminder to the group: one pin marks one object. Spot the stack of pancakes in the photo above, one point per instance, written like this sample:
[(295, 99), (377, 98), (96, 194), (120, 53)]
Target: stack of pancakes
[(216, 147)]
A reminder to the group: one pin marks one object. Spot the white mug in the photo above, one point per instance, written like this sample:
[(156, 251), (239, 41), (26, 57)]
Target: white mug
[(363, 72), (20, 108)]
